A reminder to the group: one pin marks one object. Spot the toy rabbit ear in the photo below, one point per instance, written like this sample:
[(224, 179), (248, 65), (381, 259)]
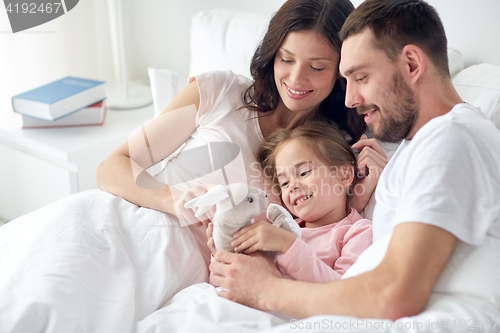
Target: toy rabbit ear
[(213, 196), (280, 217), (202, 210)]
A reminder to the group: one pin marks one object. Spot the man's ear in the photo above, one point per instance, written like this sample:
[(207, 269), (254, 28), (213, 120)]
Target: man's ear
[(413, 60), (346, 175)]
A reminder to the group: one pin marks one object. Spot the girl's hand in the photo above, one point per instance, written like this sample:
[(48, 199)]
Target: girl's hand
[(210, 242), (371, 161), (262, 236), (187, 214)]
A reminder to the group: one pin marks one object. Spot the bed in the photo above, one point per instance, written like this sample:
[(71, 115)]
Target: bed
[(94, 262)]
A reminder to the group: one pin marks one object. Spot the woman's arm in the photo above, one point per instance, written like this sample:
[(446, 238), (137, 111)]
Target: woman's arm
[(123, 172)]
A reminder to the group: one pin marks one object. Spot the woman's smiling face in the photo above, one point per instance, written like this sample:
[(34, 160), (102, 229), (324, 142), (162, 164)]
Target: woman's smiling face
[(305, 70)]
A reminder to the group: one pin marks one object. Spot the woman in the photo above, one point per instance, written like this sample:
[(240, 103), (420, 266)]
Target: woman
[(295, 72)]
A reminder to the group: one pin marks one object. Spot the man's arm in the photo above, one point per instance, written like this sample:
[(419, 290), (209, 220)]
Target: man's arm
[(400, 286)]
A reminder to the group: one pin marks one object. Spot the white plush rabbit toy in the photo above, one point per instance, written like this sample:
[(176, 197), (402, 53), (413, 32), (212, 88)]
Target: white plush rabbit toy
[(236, 206)]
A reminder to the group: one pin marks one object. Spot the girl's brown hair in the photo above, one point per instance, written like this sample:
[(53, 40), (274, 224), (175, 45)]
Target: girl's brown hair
[(325, 17), (325, 140)]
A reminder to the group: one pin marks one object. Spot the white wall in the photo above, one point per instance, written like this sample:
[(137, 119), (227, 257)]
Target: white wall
[(472, 26), (76, 43), (158, 30)]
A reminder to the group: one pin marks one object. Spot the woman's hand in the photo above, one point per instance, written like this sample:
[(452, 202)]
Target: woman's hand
[(371, 161), (262, 236), (188, 214)]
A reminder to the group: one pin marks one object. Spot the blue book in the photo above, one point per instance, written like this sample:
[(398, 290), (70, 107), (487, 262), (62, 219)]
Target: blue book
[(59, 98)]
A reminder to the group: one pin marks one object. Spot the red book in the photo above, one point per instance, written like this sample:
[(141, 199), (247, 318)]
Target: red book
[(92, 115)]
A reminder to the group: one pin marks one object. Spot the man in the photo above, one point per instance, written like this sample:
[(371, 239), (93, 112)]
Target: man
[(439, 190)]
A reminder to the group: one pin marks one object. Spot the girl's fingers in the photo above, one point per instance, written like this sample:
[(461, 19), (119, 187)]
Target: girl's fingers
[(247, 244), (242, 231), (251, 249), (246, 229), (250, 235), (237, 242)]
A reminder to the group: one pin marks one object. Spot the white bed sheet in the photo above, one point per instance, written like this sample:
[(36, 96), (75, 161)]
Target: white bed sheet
[(92, 262), (96, 263), (199, 309)]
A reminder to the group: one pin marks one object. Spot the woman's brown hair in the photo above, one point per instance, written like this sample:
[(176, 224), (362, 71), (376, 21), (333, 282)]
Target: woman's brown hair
[(325, 17)]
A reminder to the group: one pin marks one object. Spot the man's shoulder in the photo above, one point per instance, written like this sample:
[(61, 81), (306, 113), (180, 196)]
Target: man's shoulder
[(461, 137), (463, 122), (460, 114), (466, 116)]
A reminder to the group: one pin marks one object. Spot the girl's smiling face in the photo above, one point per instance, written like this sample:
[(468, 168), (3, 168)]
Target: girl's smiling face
[(311, 189), (305, 70)]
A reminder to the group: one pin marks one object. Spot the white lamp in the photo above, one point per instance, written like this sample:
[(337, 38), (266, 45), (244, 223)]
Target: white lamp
[(123, 94)]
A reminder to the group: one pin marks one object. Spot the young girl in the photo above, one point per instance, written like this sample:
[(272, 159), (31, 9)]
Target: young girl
[(313, 168)]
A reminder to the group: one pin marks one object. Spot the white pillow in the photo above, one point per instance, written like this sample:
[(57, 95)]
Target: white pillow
[(479, 85), (224, 39), (221, 39), (455, 61), (165, 85)]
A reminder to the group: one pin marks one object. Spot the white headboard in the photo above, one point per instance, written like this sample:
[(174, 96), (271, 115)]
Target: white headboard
[(472, 26)]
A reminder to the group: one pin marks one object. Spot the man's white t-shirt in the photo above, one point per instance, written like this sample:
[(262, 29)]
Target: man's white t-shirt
[(448, 176)]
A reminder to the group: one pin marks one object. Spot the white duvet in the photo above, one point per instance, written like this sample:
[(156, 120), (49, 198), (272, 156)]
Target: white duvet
[(96, 263)]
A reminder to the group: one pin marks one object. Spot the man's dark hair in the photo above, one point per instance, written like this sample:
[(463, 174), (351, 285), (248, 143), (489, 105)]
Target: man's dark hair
[(397, 23)]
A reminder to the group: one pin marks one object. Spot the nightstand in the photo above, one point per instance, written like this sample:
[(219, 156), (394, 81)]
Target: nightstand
[(40, 166)]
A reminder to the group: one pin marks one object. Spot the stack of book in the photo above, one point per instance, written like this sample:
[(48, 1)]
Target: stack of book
[(70, 101)]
